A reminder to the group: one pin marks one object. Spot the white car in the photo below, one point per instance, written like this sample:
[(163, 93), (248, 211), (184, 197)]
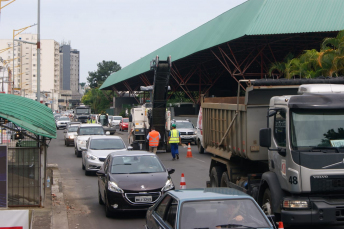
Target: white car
[(116, 120), (83, 134), (62, 122), (69, 134), (96, 150)]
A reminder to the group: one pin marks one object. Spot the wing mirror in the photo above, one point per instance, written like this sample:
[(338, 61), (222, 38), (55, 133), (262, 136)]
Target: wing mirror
[(100, 172), (130, 148), (107, 132), (170, 171)]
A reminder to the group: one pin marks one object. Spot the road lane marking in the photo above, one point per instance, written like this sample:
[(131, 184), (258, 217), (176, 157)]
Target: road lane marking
[(199, 160)]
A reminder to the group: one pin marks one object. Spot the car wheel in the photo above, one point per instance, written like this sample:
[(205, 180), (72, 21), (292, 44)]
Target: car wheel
[(200, 147), (107, 208), (83, 166), (79, 154), (215, 176), (87, 173), (100, 201)]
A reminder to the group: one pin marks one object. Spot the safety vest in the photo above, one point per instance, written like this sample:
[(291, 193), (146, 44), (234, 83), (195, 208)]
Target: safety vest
[(174, 138), (93, 121), (154, 138), (88, 121)]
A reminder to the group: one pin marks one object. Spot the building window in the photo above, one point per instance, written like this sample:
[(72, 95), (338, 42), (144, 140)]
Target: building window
[(34, 75), (34, 54)]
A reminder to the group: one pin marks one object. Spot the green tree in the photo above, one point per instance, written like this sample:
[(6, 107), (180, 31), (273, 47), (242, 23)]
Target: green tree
[(105, 69), (98, 100)]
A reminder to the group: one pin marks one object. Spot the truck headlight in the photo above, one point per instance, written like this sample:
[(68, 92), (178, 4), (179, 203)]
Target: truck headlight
[(168, 185), (295, 204), (71, 136), (112, 186)]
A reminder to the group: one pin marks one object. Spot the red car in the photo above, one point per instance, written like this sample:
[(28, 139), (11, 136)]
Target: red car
[(123, 125)]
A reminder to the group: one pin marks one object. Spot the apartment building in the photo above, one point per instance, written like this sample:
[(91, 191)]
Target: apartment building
[(24, 60)]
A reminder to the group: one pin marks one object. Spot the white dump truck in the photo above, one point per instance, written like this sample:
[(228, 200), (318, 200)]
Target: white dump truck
[(283, 144)]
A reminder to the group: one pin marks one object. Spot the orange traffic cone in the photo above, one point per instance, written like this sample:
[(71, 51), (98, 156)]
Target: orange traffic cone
[(280, 225), (189, 153), (182, 182)]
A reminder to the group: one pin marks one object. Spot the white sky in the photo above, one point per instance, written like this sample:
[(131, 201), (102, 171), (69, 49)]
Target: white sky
[(117, 30)]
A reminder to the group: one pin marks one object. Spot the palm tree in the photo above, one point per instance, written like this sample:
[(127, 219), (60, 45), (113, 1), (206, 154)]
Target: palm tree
[(282, 67)]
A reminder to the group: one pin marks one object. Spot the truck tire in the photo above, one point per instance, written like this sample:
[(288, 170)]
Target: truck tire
[(200, 147), (267, 202), (168, 148), (215, 176), (224, 180)]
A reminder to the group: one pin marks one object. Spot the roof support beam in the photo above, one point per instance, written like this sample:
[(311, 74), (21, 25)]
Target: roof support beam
[(130, 90)]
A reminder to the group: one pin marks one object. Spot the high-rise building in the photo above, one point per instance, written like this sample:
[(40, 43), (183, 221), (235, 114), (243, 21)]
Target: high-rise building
[(25, 67), (69, 68)]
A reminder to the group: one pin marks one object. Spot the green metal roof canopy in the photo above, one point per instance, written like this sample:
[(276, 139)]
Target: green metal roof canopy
[(254, 17), (28, 114)]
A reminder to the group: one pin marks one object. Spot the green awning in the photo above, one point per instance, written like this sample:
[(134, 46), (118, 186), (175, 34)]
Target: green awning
[(28, 114), (253, 17)]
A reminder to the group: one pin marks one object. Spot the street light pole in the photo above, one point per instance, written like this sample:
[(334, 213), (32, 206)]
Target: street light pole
[(38, 53)]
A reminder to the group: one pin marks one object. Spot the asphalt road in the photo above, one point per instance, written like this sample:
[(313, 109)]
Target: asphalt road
[(80, 191)]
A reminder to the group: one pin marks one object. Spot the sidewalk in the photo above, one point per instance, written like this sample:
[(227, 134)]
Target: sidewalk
[(54, 214)]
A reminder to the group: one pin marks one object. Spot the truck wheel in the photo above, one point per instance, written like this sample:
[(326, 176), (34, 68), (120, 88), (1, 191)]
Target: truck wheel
[(168, 148), (215, 176), (267, 202), (224, 180), (200, 147)]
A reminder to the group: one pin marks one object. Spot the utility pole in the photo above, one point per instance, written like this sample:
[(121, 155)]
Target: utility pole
[(38, 53)]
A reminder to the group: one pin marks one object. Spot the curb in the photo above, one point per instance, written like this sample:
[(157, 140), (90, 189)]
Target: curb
[(59, 209)]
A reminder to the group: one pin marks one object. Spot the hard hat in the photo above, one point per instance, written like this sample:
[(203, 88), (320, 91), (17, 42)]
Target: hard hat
[(174, 125)]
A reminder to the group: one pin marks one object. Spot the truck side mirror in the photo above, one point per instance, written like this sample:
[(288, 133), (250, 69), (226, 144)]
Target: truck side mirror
[(265, 137)]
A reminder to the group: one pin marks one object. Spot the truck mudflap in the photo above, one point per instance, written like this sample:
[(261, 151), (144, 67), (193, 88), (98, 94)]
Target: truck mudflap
[(320, 211)]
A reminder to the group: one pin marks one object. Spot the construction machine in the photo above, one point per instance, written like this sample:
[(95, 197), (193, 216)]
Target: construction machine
[(154, 113)]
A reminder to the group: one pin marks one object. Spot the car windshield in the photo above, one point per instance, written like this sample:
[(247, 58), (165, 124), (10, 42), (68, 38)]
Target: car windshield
[(125, 120), (187, 125), (72, 128), (91, 131), (117, 118), (136, 164), (106, 144), (64, 119), (222, 214), (317, 128), (82, 110)]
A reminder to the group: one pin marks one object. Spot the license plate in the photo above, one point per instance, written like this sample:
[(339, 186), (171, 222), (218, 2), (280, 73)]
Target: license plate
[(143, 198)]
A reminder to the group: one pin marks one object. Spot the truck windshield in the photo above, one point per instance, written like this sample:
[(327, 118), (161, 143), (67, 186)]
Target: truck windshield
[(317, 128), (82, 111)]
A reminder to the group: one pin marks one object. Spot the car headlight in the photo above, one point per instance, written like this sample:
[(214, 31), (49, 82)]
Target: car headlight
[(112, 186), (91, 157), (81, 142), (168, 185), (195, 131), (71, 136)]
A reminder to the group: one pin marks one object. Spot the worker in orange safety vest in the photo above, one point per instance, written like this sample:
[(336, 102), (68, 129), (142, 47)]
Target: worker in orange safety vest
[(153, 137)]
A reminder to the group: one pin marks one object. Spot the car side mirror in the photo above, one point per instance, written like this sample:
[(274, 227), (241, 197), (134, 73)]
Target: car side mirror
[(83, 149), (130, 148), (100, 172), (107, 132), (265, 137), (170, 171)]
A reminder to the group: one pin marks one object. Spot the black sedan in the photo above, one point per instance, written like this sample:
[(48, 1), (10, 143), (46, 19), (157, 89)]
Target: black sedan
[(132, 180)]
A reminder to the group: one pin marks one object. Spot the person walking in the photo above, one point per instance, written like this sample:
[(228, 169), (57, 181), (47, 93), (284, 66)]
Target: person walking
[(174, 139), (153, 137)]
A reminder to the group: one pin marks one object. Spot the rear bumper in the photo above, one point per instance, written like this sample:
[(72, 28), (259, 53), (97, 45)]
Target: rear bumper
[(321, 211)]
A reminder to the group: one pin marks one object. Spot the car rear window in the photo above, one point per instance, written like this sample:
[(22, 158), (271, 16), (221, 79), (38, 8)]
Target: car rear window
[(136, 164), (107, 144)]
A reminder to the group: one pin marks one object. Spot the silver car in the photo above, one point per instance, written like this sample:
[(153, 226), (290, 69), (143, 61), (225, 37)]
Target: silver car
[(69, 134), (187, 131), (96, 150)]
